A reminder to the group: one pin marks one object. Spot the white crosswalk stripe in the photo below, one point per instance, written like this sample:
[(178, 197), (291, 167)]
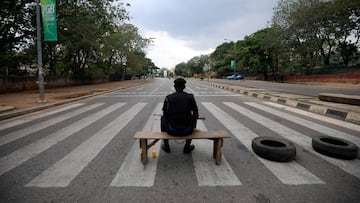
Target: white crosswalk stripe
[(207, 173), (352, 167), (317, 116), (42, 115), (314, 126), (29, 151), (132, 173), (42, 125), (290, 173), (65, 170)]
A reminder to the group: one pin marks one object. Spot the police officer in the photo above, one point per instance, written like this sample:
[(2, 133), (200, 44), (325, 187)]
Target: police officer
[(180, 112)]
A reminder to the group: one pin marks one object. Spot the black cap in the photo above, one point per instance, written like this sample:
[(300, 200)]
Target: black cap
[(179, 82)]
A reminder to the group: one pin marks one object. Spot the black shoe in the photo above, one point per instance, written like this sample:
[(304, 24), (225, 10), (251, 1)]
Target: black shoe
[(165, 147), (188, 149)]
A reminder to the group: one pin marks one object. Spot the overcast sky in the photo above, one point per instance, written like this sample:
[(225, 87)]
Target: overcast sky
[(183, 29)]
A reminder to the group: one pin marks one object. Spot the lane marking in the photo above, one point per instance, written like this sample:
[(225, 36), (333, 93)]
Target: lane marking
[(44, 124), (314, 126), (201, 88), (350, 166), (290, 173), (31, 118), (190, 90), (207, 172), (317, 116), (152, 92), (132, 172), (19, 156), (65, 170)]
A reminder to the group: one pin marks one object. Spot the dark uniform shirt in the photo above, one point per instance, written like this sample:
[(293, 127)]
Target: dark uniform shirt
[(178, 108)]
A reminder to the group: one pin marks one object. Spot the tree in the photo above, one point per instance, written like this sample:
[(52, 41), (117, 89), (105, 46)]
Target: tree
[(182, 69), (94, 40), (315, 30), (197, 63), (221, 57), (136, 63), (16, 30), (258, 52), (347, 27)]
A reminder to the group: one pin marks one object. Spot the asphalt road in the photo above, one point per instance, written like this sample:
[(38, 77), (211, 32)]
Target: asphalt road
[(84, 152), (302, 89)]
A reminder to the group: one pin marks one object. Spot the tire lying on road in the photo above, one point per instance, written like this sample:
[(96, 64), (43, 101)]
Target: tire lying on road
[(335, 147), (274, 149)]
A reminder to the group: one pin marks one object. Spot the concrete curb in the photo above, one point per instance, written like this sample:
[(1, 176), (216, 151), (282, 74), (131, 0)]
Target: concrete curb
[(349, 116)]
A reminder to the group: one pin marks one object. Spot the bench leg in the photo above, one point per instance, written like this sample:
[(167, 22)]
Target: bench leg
[(217, 151), (143, 146)]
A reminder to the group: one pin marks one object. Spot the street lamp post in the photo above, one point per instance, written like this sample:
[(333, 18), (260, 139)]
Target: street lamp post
[(39, 53)]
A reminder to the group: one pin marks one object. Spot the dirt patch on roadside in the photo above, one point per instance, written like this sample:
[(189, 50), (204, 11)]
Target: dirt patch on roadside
[(28, 99)]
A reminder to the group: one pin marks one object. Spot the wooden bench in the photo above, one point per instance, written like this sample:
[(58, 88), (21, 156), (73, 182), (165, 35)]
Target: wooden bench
[(217, 136)]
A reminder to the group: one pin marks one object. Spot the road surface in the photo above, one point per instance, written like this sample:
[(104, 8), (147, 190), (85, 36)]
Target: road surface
[(84, 152)]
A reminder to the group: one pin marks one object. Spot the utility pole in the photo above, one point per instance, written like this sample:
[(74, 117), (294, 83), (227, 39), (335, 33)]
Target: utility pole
[(39, 53)]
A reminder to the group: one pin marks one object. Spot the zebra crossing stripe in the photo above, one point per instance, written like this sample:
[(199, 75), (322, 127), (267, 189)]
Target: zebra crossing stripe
[(314, 126), (191, 90), (207, 173), (132, 172), (152, 92), (29, 151), (317, 116), (31, 118), (44, 124), (290, 173), (350, 166), (65, 170)]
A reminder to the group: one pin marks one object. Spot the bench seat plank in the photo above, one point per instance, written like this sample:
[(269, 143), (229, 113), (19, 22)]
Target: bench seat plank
[(217, 136), (195, 135)]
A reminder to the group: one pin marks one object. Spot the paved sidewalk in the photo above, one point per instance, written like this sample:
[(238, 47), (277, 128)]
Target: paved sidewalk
[(20, 103)]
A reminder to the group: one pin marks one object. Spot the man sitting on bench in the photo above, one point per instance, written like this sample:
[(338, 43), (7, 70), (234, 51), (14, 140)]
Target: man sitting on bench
[(179, 115)]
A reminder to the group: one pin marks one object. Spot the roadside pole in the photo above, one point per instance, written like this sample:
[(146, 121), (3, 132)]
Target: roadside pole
[(39, 53), (48, 13)]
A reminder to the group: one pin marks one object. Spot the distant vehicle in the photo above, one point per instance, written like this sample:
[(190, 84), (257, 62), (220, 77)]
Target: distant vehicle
[(235, 77)]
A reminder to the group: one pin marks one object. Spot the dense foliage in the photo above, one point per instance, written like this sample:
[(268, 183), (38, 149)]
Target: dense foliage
[(95, 40), (304, 36)]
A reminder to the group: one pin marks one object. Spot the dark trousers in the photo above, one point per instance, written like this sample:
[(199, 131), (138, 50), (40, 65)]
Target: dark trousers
[(164, 128)]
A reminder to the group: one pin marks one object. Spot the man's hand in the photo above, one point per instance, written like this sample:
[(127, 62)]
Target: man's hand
[(196, 115)]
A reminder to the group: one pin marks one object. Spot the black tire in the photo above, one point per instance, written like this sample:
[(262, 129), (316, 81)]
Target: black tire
[(335, 147), (274, 149)]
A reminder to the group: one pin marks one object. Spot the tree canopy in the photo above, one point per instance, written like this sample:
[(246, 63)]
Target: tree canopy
[(303, 34), (95, 39)]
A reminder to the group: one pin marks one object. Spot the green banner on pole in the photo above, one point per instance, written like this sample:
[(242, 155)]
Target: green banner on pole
[(233, 64), (48, 11)]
